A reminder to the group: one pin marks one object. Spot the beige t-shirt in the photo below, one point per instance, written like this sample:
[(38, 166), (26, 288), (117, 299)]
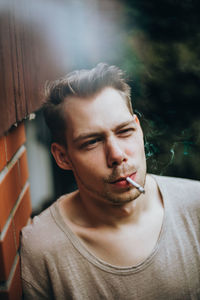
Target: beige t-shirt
[(56, 265)]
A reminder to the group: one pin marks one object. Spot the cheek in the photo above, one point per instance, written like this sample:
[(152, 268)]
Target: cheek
[(135, 147), (87, 164)]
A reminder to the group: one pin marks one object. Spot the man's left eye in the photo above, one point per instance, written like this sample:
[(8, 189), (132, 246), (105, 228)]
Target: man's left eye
[(126, 132)]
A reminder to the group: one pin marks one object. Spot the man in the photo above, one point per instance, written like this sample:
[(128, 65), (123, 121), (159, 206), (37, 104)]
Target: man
[(107, 240)]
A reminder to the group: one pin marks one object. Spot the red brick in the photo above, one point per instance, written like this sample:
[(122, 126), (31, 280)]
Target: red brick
[(9, 192), (2, 153), (7, 253), (14, 139), (14, 291), (22, 214), (23, 166)]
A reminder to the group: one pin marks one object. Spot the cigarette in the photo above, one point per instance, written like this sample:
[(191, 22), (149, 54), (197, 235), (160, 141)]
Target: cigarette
[(135, 184)]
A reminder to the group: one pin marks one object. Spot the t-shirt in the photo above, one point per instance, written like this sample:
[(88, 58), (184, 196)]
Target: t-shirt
[(56, 264)]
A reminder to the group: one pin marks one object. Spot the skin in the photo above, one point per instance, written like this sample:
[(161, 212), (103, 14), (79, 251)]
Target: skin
[(105, 144)]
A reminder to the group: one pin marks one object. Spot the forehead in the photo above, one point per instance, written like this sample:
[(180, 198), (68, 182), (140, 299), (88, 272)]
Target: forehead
[(103, 111)]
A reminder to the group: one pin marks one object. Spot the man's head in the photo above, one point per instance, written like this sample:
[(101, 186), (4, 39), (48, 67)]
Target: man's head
[(103, 137), (82, 84)]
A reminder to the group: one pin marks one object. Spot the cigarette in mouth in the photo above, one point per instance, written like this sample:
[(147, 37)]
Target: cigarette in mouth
[(135, 184)]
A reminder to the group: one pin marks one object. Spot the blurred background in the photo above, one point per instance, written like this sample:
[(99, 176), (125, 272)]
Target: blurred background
[(156, 43)]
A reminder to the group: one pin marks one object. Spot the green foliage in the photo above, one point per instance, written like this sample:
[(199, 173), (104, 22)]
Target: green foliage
[(162, 57)]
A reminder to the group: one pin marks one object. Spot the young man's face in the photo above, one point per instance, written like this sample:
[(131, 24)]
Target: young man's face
[(105, 145)]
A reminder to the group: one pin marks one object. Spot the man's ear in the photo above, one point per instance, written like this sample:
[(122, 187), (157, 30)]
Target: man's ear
[(136, 119), (59, 153)]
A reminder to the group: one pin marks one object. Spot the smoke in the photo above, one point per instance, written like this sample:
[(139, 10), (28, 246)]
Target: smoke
[(166, 151)]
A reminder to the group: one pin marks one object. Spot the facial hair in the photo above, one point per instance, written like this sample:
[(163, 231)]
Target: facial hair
[(114, 198)]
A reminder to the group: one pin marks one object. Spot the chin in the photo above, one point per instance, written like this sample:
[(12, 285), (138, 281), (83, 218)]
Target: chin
[(117, 199)]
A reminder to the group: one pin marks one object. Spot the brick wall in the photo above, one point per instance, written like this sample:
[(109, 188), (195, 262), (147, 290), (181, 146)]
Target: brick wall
[(15, 209)]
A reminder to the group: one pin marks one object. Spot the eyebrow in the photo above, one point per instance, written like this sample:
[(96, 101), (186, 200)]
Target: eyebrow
[(84, 136)]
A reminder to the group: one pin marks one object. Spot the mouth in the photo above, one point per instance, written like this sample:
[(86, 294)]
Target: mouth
[(122, 182)]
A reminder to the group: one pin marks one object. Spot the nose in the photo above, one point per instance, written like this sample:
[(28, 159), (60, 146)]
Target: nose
[(114, 153)]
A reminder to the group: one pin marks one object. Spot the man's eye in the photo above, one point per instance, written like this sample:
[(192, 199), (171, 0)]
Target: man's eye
[(126, 132), (91, 143)]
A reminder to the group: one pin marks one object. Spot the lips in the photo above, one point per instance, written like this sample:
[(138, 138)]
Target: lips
[(122, 180)]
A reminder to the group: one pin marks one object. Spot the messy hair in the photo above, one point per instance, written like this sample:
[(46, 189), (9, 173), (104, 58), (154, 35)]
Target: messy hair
[(82, 84)]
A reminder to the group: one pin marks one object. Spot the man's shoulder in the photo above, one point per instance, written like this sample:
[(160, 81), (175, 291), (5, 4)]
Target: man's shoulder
[(177, 182), (37, 226), (40, 233), (46, 230), (183, 192)]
